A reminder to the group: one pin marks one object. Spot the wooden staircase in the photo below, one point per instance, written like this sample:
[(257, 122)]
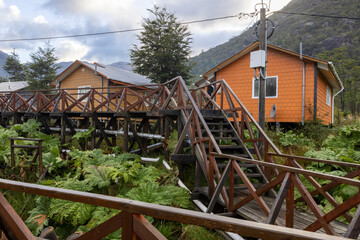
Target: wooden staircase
[(230, 143)]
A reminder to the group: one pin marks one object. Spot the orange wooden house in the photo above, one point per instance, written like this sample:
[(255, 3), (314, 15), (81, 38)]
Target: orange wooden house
[(82, 76), (303, 89)]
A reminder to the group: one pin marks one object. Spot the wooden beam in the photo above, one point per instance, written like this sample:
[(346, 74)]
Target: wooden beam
[(259, 191), (144, 229), (13, 223), (276, 207), (127, 232), (312, 205), (219, 187), (251, 188), (354, 227), (103, 229), (290, 207), (242, 227)]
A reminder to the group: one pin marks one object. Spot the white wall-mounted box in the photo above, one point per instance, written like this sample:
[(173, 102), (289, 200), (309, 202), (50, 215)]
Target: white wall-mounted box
[(257, 59)]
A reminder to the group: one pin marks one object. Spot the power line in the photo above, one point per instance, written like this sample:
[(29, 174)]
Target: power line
[(317, 15), (119, 31)]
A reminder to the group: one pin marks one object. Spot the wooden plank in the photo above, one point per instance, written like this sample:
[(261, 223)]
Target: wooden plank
[(317, 186), (338, 179), (12, 221), (127, 232), (275, 209), (259, 192), (251, 188), (312, 205), (103, 229), (354, 227), (290, 206), (242, 227), (333, 214), (219, 187), (183, 158), (144, 229), (183, 133)]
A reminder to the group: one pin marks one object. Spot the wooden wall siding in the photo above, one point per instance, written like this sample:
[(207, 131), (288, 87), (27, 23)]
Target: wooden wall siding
[(86, 77), (324, 110), (289, 70), (82, 76)]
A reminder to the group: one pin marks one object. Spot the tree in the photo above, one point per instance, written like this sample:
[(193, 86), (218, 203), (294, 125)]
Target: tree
[(14, 68), (164, 48), (41, 70), (347, 65)]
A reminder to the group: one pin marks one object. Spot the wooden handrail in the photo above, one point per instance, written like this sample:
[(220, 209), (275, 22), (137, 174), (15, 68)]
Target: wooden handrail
[(242, 227), (345, 164), (344, 180)]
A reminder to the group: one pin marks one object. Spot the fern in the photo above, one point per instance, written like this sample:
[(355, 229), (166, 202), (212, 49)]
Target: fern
[(125, 172), (97, 176), (163, 195), (38, 218), (74, 213)]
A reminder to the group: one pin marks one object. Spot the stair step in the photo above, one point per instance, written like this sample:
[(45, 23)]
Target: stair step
[(243, 186), (228, 147), (213, 117), (226, 138), (217, 123), (222, 130), (249, 175), (243, 165)]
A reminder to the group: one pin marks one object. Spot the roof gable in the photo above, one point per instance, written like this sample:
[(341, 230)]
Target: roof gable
[(106, 71), (326, 68)]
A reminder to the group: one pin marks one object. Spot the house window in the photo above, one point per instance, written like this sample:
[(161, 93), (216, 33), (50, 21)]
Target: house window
[(271, 87), (82, 90), (328, 95)]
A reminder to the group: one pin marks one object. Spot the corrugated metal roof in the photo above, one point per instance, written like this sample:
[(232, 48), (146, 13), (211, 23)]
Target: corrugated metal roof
[(107, 71), (118, 74), (12, 86)]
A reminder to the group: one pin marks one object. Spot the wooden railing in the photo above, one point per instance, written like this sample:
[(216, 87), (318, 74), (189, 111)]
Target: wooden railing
[(132, 222), (288, 175), (174, 95)]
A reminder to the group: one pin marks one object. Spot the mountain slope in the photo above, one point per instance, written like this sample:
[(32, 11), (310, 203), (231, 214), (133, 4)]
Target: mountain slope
[(3, 57), (316, 33)]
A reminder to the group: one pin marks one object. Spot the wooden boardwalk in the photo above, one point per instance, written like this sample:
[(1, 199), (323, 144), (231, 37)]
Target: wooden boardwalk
[(224, 139), (302, 219)]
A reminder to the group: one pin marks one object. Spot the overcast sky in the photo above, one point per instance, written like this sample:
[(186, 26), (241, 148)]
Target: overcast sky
[(44, 18)]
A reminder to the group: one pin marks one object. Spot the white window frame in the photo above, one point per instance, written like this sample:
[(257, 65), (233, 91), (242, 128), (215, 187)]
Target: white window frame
[(277, 87), (80, 93), (328, 95)]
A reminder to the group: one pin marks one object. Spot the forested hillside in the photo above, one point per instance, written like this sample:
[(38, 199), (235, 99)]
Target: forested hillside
[(333, 39)]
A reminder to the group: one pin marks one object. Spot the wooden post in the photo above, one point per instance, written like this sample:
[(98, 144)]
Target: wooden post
[(40, 158), (62, 130), (262, 46), (126, 133), (180, 128), (93, 133), (127, 226), (166, 138), (12, 153)]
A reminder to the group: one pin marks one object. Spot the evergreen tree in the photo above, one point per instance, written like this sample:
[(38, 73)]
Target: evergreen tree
[(14, 68), (347, 64), (164, 48), (41, 70)]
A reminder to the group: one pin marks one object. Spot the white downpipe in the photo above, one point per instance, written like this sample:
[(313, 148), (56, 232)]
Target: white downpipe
[(342, 88)]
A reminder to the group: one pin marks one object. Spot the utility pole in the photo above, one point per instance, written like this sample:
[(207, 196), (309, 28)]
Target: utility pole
[(262, 46)]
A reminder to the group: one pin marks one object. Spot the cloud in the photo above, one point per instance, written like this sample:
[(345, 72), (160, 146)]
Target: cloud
[(40, 19), (70, 50), (14, 12)]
